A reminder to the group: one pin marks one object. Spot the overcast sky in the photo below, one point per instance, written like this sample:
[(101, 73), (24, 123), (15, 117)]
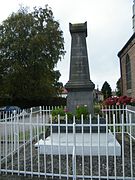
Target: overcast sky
[(109, 25)]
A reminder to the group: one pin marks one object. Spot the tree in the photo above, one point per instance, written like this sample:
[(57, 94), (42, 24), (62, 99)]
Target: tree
[(118, 87), (106, 90), (31, 44)]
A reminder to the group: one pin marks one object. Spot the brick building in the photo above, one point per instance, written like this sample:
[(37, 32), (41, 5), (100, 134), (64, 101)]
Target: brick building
[(127, 64), (127, 67)]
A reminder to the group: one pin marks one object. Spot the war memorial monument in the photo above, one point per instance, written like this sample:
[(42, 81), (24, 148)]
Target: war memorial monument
[(80, 87), (80, 93)]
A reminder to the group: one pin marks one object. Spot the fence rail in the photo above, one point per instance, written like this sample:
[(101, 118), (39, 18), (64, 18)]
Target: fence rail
[(33, 144)]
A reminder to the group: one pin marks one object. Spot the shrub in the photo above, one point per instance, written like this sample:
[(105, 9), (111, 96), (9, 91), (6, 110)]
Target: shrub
[(69, 115), (58, 111), (81, 110), (122, 100), (97, 109), (62, 112)]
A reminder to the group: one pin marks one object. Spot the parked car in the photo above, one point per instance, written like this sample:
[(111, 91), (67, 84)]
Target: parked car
[(8, 110)]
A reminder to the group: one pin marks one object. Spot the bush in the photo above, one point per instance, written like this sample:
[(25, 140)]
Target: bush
[(69, 115), (81, 110), (58, 111), (97, 109), (122, 100), (62, 112)]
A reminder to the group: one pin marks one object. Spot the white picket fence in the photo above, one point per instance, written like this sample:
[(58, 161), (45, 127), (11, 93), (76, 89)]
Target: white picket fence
[(20, 132)]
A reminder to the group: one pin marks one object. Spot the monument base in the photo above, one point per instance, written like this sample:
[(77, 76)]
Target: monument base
[(87, 144), (78, 98)]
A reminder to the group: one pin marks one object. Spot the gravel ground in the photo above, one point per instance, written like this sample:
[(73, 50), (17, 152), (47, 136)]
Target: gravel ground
[(39, 167), (16, 177)]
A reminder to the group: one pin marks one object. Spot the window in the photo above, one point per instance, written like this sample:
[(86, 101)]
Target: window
[(128, 72)]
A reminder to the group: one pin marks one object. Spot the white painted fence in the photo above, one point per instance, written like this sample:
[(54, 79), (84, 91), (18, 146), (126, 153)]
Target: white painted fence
[(20, 133)]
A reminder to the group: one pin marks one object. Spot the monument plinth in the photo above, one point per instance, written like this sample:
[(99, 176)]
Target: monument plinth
[(79, 87)]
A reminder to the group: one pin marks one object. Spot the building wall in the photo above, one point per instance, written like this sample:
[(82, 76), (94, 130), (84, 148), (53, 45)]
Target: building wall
[(130, 50)]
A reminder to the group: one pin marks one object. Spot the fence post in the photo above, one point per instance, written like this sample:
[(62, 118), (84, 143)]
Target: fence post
[(82, 145), (107, 159), (123, 160), (126, 121), (15, 130), (59, 149), (74, 150), (114, 133), (99, 144), (90, 125), (31, 136), (67, 146), (6, 145), (131, 149)]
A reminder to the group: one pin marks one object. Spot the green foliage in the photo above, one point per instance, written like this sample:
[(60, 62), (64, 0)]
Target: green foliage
[(69, 115), (58, 111), (118, 87), (31, 44), (106, 90), (81, 110), (97, 108), (62, 113)]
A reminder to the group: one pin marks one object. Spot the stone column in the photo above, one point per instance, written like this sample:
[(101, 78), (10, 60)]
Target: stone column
[(79, 87)]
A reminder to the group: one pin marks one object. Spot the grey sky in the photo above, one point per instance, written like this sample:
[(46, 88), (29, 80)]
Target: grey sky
[(109, 24)]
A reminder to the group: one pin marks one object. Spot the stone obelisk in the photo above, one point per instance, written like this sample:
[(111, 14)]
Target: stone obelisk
[(79, 87)]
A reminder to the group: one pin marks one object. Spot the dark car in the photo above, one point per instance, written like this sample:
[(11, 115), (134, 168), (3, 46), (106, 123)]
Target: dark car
[(8, 110)]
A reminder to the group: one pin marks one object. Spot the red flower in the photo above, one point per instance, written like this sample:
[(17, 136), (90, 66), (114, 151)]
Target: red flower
[(122, 100)]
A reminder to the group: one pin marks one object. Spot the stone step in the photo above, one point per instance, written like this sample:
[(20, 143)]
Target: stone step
[(87, 144)]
